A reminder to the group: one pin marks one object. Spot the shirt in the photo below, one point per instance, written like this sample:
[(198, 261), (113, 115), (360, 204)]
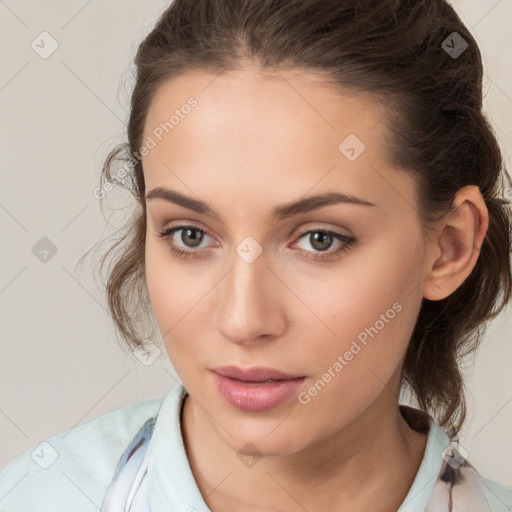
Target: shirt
[(139, 448)]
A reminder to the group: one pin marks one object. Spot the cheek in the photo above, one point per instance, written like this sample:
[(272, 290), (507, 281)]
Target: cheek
[(178, 294), (365, 310), (351, 368), (171, 292), (161, 284)]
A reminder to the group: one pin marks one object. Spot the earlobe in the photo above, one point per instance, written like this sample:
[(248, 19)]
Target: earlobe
[(457, 249)]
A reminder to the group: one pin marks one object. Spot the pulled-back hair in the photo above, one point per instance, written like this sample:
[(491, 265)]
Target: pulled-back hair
[(396, 51)]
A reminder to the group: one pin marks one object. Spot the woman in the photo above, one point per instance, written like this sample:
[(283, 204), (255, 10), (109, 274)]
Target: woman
[(319, 227)]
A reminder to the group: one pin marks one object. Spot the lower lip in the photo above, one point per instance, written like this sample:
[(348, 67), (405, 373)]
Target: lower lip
[(256, 397)]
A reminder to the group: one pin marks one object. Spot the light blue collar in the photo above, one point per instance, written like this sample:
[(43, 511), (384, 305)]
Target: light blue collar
[(445, 480)]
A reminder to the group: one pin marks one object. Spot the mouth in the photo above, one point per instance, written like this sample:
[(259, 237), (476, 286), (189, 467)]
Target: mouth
[(258, 383), (255, 374), (255, 389)]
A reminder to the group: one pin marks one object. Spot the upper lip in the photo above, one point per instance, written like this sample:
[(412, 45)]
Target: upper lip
[(254, 374)]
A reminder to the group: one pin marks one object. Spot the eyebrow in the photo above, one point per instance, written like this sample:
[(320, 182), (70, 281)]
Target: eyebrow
[(280, 212)]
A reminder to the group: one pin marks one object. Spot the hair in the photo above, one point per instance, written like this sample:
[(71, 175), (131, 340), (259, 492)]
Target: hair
[(392, 50)]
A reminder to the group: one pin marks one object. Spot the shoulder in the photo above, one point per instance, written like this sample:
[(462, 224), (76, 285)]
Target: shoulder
[(74, 466), (457, 478), (499, 496)]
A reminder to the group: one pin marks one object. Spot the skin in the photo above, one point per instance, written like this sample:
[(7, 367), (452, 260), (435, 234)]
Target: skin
[(253, 142)]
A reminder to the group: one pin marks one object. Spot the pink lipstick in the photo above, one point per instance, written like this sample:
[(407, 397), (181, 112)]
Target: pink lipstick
[(255, 389)]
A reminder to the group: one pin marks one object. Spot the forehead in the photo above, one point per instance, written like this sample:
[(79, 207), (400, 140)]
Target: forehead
[(248, 131), (256, 109)]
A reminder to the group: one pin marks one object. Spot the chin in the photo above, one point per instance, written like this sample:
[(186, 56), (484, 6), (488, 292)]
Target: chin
[(264, 442)]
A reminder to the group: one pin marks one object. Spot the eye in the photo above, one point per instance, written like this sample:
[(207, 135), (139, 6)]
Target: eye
[(320, 240), (191, 236)]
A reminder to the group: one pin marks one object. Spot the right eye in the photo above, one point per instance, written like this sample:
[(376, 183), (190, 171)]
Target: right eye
[(190, 237)]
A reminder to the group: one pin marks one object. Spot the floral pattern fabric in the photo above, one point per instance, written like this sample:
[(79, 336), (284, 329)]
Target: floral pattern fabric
[(129, 489)]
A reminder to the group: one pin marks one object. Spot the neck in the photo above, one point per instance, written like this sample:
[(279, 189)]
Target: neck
[(378, 452)]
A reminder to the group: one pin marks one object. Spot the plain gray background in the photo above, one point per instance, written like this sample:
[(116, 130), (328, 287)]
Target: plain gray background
[(60, 363)]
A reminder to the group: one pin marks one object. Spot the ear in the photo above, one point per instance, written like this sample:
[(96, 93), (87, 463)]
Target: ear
[(457, 248)]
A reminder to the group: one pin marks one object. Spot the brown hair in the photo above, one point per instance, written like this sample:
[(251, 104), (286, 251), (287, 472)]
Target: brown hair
[(393, 50)]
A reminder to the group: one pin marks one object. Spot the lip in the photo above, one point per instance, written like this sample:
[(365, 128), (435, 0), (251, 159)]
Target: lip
[(254, 374), (248, 389)]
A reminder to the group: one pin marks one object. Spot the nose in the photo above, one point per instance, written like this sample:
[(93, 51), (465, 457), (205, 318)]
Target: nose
[(251, 305)]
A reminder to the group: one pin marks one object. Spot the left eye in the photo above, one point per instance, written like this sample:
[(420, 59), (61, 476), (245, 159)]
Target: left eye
[(322, 240)]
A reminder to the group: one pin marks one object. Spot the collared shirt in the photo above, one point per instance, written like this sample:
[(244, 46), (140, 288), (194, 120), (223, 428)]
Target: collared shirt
[(133, 459)]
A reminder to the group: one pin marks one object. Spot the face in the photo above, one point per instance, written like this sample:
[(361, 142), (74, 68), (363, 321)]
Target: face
[(326, 292)]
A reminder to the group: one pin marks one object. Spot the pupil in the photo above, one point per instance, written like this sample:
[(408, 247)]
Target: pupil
[(321, 237)]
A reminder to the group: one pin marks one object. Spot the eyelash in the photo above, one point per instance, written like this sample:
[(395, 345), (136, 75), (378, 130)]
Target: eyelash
[(348, 242)]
